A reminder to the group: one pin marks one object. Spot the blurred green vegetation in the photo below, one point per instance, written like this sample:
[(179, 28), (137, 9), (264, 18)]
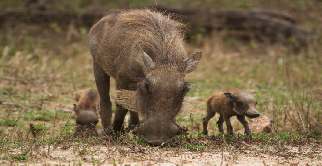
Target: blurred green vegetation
[(79, 5)]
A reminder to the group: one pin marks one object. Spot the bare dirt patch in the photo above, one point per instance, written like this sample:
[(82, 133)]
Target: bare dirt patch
[(144, 155)]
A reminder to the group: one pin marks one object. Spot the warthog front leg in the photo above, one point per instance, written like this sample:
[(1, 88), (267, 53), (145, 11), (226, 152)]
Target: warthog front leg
[(103, 87), (243, 121), (220, 124), (134, 120), (119, 118), (230, 130), (121, 112)]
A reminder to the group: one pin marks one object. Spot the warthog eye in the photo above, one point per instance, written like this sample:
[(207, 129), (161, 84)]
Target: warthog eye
[(144, 86), (242, 105)]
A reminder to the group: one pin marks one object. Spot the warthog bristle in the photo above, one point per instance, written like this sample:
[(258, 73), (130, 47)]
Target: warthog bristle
[(126, 99)]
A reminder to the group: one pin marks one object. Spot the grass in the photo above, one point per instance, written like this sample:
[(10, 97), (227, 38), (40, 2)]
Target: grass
[(20, 157), (8, 122)]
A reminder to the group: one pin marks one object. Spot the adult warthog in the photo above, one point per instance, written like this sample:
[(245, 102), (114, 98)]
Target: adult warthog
[(144, 52)]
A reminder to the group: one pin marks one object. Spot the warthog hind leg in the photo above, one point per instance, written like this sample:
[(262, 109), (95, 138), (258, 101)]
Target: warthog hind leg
[(205, 120)]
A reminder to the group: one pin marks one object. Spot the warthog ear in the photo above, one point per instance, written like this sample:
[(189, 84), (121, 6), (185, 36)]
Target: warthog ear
[(232, 100), (126, 99), (192, 62), (148, 62), (230, 96)]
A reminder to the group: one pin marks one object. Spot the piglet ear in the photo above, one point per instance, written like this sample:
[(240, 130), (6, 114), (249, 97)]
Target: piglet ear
[(232, 100), (126, 99), (230, 96), (192, 62)]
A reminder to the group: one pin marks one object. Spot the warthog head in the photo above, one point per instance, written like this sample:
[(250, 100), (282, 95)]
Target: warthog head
[(158, 98), (243, 104)]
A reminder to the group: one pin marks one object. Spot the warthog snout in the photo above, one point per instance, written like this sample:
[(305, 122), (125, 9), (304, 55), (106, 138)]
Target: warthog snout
[(156, 132), (252, 113)]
